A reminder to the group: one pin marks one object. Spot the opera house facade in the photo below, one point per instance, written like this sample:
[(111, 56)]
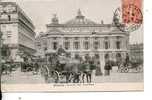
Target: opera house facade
[(82, 37)]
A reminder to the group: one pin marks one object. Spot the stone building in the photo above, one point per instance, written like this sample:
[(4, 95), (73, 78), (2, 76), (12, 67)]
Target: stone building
[(136, 52), (18, 30), (82, 37)]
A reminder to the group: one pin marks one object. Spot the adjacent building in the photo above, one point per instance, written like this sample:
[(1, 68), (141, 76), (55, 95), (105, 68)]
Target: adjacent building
[(82, 37), (18, 30), (136, 52)]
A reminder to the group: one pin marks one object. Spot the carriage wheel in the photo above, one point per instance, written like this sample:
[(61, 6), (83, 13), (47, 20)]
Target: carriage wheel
[(121, 68), (54, 77), (139, 69), (126, 69)]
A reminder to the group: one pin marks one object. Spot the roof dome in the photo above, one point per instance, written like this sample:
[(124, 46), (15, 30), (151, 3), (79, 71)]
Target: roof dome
[(80, 20)]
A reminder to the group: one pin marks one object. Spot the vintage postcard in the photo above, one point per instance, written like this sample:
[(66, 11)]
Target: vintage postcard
[(71, 45)]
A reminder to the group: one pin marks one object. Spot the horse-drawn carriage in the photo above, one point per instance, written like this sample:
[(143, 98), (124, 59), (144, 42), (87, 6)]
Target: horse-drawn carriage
[(131, 65), (60, 68), (8, 66), (128, 64)]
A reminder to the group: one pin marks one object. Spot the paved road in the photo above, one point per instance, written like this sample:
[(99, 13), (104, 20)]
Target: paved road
[(120, 77), (22, 77), (28, 77), (131, 76)]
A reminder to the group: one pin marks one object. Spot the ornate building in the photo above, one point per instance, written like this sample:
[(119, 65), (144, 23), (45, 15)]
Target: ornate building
[(82, 37), (18, 30)]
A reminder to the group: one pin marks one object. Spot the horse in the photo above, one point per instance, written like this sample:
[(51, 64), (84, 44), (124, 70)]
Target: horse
[(6, 68), (70, 68), (73, 69), (87, 69)]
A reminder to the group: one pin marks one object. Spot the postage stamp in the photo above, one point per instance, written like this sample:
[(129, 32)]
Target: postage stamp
[(129, 16), (71, 45)]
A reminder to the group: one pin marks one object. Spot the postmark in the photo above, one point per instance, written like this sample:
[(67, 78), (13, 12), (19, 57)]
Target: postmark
[(128, 18)]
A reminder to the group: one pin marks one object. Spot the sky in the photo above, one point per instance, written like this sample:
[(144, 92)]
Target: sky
[(41, 12)]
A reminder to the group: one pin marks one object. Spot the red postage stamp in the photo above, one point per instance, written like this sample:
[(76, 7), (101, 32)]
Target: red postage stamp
[(129, 16), (131, 11)]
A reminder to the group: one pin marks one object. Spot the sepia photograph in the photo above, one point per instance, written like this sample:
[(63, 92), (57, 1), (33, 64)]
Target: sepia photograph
[(83, 42)]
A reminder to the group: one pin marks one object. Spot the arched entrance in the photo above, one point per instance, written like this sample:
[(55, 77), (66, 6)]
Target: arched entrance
[(118, 58), (97, 62), (106, 57)]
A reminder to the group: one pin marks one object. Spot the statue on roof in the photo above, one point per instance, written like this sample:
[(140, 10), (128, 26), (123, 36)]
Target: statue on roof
[(55, 19), (79, 14)]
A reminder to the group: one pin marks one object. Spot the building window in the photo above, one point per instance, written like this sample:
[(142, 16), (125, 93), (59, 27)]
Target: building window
[(67, 45), (97, 56), (76, 45), (118, 37), (118, 44), (77, 56), (9, 17), (76, 38), (96, 45), (118, 57), (106, 56), (54, 38), (96, 38), (86, 38), (55, 44), (87, 57), (86, 45), (106, 45), (66, 38)]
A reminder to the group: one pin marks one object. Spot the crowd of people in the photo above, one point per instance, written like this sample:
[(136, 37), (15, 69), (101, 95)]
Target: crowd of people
[(84, 65)]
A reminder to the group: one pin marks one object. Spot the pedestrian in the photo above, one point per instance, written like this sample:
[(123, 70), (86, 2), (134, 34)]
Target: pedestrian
[(107, 68), (92, 70), (35, 68)]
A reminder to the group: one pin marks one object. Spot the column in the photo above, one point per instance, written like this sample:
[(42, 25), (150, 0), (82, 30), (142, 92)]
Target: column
[(71, 43), (91, 43), (61, 40), (50, 44), (81, 43), (101, 43), (72, 54), (123, 54), (127, 44), (110, 56), (82, 55), (113, 43), (102, 62), (114, 56)]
